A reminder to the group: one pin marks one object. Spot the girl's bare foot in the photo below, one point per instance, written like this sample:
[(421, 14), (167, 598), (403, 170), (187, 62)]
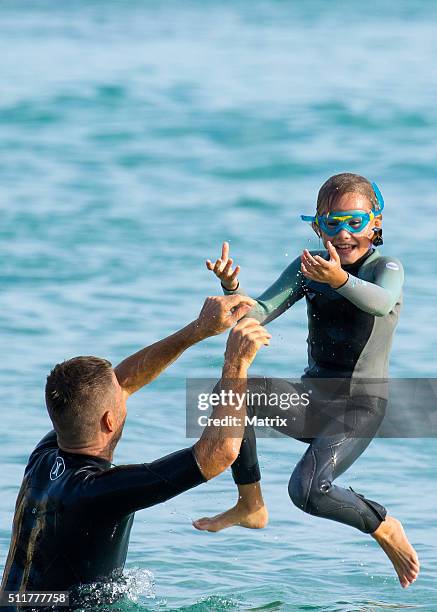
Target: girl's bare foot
[(250, 511), (390, 535), (238, 515)]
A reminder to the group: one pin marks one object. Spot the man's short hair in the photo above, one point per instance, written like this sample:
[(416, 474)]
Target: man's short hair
[(78, 391), (339, 184)]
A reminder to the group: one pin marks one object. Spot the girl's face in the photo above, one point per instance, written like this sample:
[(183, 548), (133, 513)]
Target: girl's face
[(350, 246)]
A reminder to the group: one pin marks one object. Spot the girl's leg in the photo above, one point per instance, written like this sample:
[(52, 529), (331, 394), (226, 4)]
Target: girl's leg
[(312, 490), (311, 485)]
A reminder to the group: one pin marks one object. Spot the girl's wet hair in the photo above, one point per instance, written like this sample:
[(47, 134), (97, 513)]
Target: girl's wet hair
[(336, 186)]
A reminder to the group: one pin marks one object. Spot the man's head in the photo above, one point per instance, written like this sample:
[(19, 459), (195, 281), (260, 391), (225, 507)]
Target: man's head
[(346, 193), (86, 404)]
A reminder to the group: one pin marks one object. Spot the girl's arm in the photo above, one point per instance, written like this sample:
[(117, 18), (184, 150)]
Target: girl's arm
[(284, 292), (379, 297)]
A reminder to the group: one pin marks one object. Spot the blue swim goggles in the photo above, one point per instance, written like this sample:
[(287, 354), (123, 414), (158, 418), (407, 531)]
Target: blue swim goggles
[(353, 221)]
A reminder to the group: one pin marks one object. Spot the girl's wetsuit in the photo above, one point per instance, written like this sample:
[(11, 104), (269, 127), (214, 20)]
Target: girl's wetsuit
[(350, 336)]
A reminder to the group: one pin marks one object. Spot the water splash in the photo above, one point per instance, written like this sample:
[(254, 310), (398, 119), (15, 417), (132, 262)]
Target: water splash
[(132, 587)]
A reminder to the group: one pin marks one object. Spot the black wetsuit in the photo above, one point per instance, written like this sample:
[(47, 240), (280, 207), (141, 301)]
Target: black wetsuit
[(74, 514), (350, 335)]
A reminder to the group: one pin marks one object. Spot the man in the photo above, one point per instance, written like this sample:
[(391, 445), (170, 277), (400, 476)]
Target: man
[(74, 511)]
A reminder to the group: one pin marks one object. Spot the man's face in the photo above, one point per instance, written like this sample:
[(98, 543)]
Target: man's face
[(351, 246)]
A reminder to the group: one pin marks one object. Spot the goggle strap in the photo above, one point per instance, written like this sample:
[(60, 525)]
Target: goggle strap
[(309, 218), (378, 197)]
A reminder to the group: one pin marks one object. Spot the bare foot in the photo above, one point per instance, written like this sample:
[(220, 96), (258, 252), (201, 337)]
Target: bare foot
[(390, 535), (238, 515)]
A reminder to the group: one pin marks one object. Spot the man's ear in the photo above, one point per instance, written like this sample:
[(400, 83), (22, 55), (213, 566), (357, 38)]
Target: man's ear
[(107, 422)]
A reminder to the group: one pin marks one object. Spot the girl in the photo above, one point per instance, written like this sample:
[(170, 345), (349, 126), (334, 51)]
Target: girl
[(353, 297)]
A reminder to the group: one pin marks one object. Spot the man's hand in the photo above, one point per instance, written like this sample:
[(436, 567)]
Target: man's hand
[(318, 269), (219, 313), (244, 341), (222, 268)]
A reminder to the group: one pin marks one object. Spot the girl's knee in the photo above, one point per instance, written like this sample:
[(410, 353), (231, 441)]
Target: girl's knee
[(307, 494), (298, 489)]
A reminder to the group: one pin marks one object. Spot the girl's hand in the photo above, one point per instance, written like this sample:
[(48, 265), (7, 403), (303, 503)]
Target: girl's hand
[(318, 269), (223, 269)]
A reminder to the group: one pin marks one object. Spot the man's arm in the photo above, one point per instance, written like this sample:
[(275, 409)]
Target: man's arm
[(128, 488), (144, 366), (219, 446), (217, 315)]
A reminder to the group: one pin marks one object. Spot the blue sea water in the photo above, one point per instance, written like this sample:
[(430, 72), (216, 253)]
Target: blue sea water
[(135, 136)]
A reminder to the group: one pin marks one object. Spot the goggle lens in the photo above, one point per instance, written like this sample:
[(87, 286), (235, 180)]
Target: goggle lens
[(351, 223)]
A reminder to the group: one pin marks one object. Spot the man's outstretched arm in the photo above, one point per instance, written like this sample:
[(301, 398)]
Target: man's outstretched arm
[(127, 488), (219, 445), (217, 315)]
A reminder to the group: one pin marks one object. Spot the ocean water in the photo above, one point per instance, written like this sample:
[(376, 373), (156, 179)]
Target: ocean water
[(134, 138)]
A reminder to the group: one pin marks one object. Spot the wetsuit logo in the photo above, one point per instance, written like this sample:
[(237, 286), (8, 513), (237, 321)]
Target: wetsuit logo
[(391, 265), (58, 468)]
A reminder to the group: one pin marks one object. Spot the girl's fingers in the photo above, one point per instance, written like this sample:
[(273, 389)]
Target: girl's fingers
[(306, 256), (217, 266), (309, 273), (303, 258), (304, 270), (321, 261), (209, 264), (234, 273), (308, 260), (227, 269), (225, 251), (333, 252), (316, 260)]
